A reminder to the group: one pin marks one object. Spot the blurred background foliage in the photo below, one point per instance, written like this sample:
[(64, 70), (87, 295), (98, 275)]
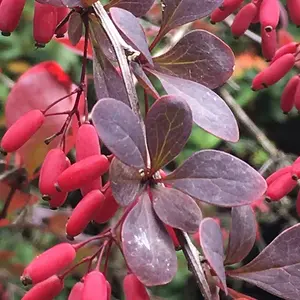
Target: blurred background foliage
[(20, 243)]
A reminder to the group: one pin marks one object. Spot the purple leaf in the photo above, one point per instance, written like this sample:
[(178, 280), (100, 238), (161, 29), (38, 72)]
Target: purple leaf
[(242, 234), (209, 110), (168, 127), (180, 12), (211, 241), (120, 130), (143, 80), (75, 28), (58, 3), (132, 31), (176, 209), (218, 178), (148, 248), (125, 182), (138, 7), (199, 56), (276, 268)]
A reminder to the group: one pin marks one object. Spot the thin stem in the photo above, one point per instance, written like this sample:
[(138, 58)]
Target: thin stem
[(146, 98), (8, 200)]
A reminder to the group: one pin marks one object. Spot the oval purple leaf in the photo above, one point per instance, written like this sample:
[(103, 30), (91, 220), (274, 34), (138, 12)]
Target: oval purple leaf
[(209, 110), (199, 56), (218, 178), (120, 130), (242, 234), (276, 268), (148, 248), (212, 245), (125, 182), (168, 127), (132, 30), (176, 208)]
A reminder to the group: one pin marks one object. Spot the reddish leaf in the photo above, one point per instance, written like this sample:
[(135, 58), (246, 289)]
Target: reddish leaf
[(125, 182), (276, 268), (209, 110), (132, 30), (176, 209), (147, 246), (242, 234), (218, 178), (137, 7), (168, 127), (212, 245), (120, 130), (199, 56)]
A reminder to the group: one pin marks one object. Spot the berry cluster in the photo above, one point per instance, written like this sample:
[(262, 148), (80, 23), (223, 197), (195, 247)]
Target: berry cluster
[(48, 20)]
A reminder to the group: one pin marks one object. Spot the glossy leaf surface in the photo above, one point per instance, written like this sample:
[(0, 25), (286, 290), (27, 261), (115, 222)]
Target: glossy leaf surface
[(218, 178), (68, 3), (125, 182), (180, 12), (276, 268), (120, 130), (212, 246), (210, 112), (176, 209), (148, 248), (242, 234), (199, 56), (168, 127), (132, 30), (137, 7)]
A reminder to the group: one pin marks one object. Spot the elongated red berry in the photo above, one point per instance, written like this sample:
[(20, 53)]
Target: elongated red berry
[(268, 44), (95, 287), (108, 209), (231, 4), (294, 11), (62, 13), (57, 200), (76, 292), (280, 187), (258, 4), (288, 48), (243, 19), (278, 69), (269, 14), (108, 290), (48, 263), (296, 169), (87, 144), (277, 174), (10, 14), (287, 100), (298, 204), (258, 82), (54, 164), (83, 213), (82, 172), (22, 130), (297, 97), (219, 15), (134, 289), (45, 290)]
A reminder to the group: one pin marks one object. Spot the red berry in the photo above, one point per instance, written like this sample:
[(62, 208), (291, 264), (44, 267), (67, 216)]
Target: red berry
[(134, 289), (278, 174), (294, 10), (268, 44), (82, 172), (22, 130), (287, 100), (76, 292), (57, 200), (278, 69), (45, 290), (84, 212), (258, 82), (108, 290), (298, 203), (297, 97), (54, 164), (288, 48), (44, 23), (243, 19), (258, 4), (10, 14), (62, 13), (108, 209), (296, 169), (269, 14), (280, 187), (231, 4), (48, 263), (95, 287)]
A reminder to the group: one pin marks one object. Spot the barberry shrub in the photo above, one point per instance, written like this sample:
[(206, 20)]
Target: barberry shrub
[(155, 211)]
